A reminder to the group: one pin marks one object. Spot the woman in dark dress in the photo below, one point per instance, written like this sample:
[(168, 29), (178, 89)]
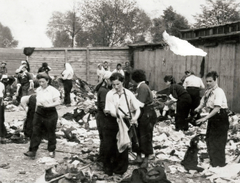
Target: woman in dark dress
[(215, 101), (146, 120), (179, 95)]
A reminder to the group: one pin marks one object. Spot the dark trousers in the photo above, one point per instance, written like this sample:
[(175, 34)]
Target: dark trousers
[(3, 130), (216, 138), (67, 86), (28, 124), (113, 160), (183, 108), (194, 92), (100, 119), (44, 118), (145, 131)]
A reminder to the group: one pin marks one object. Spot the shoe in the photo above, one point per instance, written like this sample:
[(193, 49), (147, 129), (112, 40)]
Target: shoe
[(52, 154), (30, 154)]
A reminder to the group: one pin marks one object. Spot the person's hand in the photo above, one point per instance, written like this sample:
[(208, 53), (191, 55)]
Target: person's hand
[(133, 122), (197, 110), (30, 88), (201, 120)]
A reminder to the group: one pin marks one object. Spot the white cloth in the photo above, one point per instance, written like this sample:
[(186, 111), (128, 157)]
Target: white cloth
[(182, 47), (68, 72), (193, 81), (46, 96), (2, 89), (123, 139), (119, 71)]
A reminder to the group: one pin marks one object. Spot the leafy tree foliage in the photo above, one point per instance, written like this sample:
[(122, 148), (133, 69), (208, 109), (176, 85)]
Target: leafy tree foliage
[(217, 12), (113, 22), (62, 24), (170, 21), (6, 38)]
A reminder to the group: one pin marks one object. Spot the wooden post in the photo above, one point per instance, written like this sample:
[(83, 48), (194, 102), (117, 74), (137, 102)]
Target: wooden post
[(65, 55), (87, 64)]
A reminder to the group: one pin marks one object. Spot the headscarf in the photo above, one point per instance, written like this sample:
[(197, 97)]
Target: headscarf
[(69, 69), (106, 75)]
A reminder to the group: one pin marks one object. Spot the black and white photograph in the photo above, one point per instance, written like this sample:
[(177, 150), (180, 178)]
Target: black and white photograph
[(119, 91)]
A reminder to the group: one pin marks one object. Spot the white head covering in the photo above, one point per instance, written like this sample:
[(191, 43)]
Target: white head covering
[(69, 68)]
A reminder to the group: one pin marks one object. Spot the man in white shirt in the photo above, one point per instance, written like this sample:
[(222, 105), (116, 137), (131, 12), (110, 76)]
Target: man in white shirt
[(193, 85)]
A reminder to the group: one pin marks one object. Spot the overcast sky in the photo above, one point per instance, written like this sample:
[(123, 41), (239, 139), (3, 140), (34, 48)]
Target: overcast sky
[(28, 19)]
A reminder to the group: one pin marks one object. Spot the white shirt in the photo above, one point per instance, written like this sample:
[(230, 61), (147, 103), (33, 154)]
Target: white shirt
[(119, 71), (114, 100), (193, 81), (217, 98), (2, 88), (47, 95)]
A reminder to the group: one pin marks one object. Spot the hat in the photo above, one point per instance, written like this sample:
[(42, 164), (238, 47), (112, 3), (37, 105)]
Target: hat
[(3, 62), (107, 75)]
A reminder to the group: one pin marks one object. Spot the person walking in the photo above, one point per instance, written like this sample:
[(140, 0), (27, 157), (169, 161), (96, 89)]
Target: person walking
[(215, 101), (179, 95), (193, 85), (45, 116), (146, 120), (119, 101), (67, 76)]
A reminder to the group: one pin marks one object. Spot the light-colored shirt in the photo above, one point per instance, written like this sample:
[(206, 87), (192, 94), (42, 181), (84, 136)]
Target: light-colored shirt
[(193, 81), (2, 88), (46, 96), (119, 71), (114, 101), (216, 98)]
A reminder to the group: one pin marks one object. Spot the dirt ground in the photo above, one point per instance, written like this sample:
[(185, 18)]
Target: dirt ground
[(23, 170)]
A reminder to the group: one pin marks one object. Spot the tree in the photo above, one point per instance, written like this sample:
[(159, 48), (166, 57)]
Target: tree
[(113, 22), (62, 24), (6, 38), (217, 12), (170, 21), (174, 22)]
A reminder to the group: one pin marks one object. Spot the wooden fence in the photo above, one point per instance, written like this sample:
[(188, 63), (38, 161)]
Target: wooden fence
[(83, 60), (13, 57), (224, 58)]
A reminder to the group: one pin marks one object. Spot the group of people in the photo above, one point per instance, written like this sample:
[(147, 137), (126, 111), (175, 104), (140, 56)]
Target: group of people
[(187, 97), (125, 120), (125, 71), (40, 104)]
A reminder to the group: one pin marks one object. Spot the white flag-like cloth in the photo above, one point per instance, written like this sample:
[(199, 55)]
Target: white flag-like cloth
[(182, 47)]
